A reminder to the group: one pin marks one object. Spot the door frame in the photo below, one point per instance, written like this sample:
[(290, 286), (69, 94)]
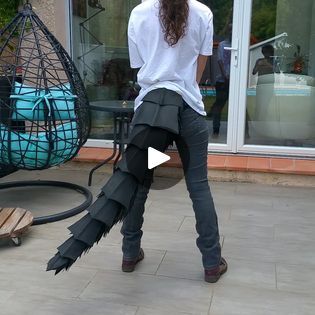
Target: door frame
[(232, 123), (241, 86), (242, 13)]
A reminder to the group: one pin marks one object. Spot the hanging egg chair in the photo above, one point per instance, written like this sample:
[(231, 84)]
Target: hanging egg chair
[(44, 109)]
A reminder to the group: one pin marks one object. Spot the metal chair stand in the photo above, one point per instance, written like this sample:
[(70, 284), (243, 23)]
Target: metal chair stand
[(59, 216)]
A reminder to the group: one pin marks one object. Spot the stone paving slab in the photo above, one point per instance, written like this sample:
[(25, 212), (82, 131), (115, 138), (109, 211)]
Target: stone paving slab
[(241, 300), (151, 311), (108, 258), (284, 251), (267, 235), (31, 278), (234, 228), (169, 294), (41, 304), (247, 273), (296, 278), (297, 232), (5, 295)]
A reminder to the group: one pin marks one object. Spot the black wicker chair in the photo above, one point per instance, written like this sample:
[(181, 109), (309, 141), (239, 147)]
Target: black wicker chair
[(6, 170), (44, 110)]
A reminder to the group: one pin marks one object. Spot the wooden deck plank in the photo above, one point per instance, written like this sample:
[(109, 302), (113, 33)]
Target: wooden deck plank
[(26, 221), (5, 213), (11, 223)]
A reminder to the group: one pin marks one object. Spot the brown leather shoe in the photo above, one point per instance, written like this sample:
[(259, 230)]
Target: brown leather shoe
[(129, 265), (213, 275)]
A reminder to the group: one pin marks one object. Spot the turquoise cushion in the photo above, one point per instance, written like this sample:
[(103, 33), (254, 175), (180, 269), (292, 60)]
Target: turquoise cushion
[(60, 98), (66, 143), (27, 151), (24, 108), (31, 152)]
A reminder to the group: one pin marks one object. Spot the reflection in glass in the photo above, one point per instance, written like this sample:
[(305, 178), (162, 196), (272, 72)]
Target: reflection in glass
[(215, 83), (100, 52), (281, 84)]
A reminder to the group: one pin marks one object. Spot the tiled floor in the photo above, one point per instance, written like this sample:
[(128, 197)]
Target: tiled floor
[(267, 234)]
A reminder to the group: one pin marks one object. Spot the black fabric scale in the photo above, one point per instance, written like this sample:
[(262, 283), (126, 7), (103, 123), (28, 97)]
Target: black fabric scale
[(155, 124)]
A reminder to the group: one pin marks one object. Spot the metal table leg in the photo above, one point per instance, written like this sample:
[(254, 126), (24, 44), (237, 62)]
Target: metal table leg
[(115, 143), (121, 133), (124, 134)]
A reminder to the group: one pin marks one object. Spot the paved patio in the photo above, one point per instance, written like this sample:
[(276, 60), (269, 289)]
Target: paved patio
[(267, 233)]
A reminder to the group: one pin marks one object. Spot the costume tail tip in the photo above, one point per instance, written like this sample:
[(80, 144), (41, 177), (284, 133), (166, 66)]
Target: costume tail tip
[(57, 264)]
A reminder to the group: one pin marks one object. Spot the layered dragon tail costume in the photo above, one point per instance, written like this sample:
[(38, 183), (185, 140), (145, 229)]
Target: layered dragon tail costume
[(155, 124)]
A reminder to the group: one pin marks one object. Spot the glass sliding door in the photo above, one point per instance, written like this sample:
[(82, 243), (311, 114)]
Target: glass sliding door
[(280, 89), (258, 87), (100, 51), (99, 44)]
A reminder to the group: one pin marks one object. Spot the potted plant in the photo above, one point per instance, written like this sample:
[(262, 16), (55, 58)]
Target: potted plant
[(299, 61)]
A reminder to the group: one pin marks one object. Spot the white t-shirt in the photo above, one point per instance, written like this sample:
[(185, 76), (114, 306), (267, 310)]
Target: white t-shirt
[(163, 66)]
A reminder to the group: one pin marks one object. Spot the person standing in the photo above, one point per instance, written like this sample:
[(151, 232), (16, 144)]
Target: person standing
[(170, 41), (266, 65), (222, 85)]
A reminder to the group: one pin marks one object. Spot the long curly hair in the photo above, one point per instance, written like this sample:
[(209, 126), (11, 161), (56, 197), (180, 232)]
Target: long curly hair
[(173, 17)]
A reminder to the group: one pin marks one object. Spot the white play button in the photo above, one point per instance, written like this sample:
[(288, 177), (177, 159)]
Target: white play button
[(156, 158)]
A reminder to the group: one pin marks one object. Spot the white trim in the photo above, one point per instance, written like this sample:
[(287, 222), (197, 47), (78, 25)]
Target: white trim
[(68, 10), (232, 123), (242, 88), (97, 143), (268, 41), (236, 70), (277, 150), (67, 26), (218, 148), (70, 28), (243, 70), (62, 23)]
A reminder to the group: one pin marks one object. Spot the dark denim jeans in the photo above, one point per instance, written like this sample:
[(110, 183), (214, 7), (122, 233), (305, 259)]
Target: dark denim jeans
[(194, 133), (222, 96)]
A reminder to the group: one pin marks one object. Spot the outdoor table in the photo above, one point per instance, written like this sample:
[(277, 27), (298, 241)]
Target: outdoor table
[(122, 112)]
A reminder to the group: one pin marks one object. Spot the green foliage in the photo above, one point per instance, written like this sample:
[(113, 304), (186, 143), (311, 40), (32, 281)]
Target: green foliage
[(222, 14), (263, 16), (264, 19), (8, 9)]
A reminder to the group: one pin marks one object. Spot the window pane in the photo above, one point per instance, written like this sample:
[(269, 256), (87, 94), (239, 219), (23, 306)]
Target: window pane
[(100, 52), (281, 84), (215, 83)]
